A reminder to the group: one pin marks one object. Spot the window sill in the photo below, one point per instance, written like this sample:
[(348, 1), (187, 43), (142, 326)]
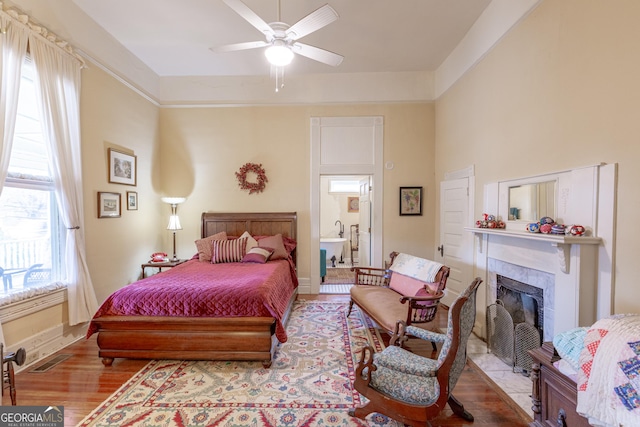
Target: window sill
[(20, 304)]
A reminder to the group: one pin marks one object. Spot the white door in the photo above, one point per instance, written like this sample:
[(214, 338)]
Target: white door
[(454, 249), (364, 238)]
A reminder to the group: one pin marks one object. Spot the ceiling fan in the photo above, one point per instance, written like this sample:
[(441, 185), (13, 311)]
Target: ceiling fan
[(281, 39)]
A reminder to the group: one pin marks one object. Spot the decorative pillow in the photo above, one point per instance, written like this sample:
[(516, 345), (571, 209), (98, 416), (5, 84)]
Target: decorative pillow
[(251, 242), (569, 345), (205, 246), (289, 244), (258, 255), (275, 242), (410, 287), (228, 250)]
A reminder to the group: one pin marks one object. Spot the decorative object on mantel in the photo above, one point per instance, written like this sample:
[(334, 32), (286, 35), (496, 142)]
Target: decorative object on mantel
[(547, 225), (575, 230), (261, 178), (489, 221)]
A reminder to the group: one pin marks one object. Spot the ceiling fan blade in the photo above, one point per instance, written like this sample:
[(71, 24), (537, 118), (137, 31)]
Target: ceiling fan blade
[(239, 46), (317, 54), (312, 22), (250, 16)]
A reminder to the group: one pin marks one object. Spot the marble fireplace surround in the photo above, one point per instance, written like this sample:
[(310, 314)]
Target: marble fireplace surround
[(569, 291), (575, 273)]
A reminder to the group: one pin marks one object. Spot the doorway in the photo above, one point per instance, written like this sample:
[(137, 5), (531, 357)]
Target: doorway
[(345, 214), (345, 146)]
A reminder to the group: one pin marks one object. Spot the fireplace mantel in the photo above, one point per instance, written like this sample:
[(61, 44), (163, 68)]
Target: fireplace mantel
[(561, 242)]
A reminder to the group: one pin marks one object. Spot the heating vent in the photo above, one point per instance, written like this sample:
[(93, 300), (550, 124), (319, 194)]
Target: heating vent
[(51, 363)]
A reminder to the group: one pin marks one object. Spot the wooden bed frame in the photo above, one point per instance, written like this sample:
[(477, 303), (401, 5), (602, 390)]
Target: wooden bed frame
[(201, 338)]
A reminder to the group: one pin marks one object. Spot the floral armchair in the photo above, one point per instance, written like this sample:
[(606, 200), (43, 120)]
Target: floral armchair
[(414, 389)]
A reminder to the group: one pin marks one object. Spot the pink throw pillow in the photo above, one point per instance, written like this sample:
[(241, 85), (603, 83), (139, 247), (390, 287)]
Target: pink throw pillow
[(228, 250), (258, 255), (205, 246), (277, 244), (410, 287)]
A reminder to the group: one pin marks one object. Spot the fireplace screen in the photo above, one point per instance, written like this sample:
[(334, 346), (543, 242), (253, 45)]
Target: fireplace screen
[(514, 324)]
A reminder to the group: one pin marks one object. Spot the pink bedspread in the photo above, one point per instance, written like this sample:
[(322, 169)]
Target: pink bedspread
[(200, 289)]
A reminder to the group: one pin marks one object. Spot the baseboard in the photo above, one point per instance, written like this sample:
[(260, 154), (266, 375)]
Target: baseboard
[(304, 285), (45, 343)]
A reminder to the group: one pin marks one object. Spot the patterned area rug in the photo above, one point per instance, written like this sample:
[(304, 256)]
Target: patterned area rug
[(308, 384)]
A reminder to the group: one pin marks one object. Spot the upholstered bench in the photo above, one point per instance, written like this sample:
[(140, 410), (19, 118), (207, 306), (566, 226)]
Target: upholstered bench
[(410, 289)]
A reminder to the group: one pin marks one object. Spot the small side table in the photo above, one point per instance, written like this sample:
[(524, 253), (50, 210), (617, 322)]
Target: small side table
[(161, 265)]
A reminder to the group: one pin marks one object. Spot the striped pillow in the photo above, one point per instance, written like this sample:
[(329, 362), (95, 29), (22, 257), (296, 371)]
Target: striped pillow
[(228, 250)]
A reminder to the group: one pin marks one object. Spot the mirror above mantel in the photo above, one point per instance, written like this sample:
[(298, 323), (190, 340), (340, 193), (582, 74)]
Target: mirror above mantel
[(530, 202), (525, 200)]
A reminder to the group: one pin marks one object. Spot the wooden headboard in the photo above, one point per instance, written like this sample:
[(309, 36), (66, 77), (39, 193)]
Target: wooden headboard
[(257, 224)]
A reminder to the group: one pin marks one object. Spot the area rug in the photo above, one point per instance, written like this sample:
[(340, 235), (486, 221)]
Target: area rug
[(339, 276), (308, 384)]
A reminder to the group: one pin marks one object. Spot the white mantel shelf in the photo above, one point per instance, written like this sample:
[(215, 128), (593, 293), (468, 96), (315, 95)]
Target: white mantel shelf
[(561, 242)]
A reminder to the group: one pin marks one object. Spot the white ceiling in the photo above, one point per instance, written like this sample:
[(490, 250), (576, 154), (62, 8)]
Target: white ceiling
[(173, 37), (392, 49)]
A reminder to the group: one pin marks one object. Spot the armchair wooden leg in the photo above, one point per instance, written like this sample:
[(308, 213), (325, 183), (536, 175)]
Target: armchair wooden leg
[(458, 409), (350, 307), (360, 412)]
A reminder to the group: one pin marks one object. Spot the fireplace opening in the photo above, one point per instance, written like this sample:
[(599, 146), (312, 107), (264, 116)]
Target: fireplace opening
[(515, 323)]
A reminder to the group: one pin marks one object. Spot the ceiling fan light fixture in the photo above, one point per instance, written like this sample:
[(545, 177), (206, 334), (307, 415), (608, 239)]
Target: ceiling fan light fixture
[(279, 54)]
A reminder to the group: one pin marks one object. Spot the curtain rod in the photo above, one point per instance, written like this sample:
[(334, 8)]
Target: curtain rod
[(22, 19)]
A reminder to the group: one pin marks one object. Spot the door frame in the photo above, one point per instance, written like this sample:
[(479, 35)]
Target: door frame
[(469, 174), (375, 170)]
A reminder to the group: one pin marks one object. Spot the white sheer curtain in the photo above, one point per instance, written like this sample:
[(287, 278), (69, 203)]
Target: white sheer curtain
[(13, 48), (58, 84)]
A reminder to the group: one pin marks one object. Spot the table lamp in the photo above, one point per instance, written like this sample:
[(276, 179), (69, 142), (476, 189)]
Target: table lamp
[(174, 220)]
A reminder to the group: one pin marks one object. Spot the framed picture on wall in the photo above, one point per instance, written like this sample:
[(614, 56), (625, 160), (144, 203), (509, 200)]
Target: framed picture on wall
[(410, 200), (353, 204), (123, 167), (132, 200), (108, 205)]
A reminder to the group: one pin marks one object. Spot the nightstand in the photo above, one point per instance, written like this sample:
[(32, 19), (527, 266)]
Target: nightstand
[(161, 265)]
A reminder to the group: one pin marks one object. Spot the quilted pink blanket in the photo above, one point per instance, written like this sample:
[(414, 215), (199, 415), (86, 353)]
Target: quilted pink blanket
[(609, 376), (200, 289)]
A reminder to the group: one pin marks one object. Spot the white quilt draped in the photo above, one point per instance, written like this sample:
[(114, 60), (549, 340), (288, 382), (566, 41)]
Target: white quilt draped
[(419, 268), (609, 375)]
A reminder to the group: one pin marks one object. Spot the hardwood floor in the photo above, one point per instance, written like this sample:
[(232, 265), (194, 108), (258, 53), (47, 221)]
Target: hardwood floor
[(80, 383)]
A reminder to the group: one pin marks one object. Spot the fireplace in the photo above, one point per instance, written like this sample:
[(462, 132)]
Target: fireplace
[(525, 303), (515, 322)]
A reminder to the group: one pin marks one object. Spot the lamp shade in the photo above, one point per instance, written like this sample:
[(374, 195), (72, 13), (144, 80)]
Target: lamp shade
[(174, 200), (279, 55), (174, 223)]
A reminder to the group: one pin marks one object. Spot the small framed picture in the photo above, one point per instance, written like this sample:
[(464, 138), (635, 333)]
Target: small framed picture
[(353, 204), (410, 200), (123, 168), (132, 200), (108, 205)]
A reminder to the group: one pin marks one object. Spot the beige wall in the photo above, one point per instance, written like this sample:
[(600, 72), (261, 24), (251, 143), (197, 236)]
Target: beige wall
[(560, 91), (113, 116), (202, 148)]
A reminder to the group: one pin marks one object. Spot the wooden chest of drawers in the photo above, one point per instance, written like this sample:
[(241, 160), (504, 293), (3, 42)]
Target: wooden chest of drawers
[(554, 394)]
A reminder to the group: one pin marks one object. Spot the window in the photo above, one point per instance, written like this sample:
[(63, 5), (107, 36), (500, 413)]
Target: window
[(344, 185), (30, 227)]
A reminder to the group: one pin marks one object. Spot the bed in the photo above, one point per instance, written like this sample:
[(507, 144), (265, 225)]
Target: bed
[(161, 332)]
